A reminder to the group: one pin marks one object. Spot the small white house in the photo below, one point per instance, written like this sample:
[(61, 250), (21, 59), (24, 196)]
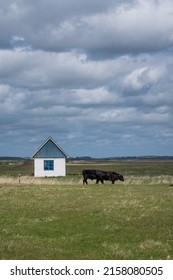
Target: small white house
[(49, 160)]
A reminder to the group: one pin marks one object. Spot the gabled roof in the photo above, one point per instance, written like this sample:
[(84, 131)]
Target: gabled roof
[(50, 149)]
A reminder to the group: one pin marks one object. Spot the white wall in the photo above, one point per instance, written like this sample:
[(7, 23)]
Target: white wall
[(59, 167)]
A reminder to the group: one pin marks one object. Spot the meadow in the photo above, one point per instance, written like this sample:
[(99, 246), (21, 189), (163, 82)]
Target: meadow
[(59, 218)]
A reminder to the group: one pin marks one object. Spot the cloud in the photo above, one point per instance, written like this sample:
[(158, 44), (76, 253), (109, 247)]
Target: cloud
[(38, 68), (95, 75), (124, 26), (94, 96), (144, 77)]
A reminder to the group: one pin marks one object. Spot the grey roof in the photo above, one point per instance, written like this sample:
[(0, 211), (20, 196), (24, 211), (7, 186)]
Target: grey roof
[(50, 149)]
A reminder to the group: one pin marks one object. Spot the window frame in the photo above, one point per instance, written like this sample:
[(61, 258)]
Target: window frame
[(48, 165)]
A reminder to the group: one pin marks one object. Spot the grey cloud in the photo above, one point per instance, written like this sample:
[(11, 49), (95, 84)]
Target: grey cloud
[(96, 26), (35, 20), (95, 75), (34, 69)]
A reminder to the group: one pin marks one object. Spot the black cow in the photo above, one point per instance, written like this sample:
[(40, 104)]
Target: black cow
[(100, 175), (114, 176)]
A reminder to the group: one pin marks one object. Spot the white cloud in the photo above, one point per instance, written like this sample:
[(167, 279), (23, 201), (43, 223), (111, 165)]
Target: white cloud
[(142, 26), (95, 26), (10, 100), (94, 96), (143, 77), (90, 73), (119, 115)]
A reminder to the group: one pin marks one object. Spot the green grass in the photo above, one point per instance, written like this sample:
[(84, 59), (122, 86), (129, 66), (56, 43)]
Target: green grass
[(72, 221), (14, 168), (134, 167), (59, 218), (127, 168)]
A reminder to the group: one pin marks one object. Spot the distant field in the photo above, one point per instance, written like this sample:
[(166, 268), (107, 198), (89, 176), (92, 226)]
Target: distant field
[(134, 168), (59, 218)]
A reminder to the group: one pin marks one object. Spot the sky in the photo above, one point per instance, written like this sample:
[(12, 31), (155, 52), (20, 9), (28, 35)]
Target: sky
[(96, 76)]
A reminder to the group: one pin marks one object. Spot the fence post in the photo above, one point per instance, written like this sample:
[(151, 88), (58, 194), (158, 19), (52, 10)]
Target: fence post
[(19, 178)]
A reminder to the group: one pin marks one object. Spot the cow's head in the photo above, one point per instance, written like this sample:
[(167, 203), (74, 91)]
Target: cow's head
[(120, 177)]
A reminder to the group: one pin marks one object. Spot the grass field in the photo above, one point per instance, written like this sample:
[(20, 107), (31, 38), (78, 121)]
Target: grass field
[(59, 218), (134, 168)]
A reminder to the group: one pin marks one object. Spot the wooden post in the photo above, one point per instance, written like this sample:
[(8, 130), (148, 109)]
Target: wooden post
[(19, 178)]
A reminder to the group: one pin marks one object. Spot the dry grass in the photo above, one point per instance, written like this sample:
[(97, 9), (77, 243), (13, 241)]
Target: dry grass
[(77, 180)]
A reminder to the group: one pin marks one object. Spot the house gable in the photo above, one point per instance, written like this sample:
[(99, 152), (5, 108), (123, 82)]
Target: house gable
[(50, 149)]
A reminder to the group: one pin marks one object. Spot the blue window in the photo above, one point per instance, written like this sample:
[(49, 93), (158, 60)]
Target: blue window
[(48, 164)]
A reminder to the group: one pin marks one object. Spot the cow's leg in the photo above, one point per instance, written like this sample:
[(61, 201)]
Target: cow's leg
[(85, 181), (97, 181), (102, 181)]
